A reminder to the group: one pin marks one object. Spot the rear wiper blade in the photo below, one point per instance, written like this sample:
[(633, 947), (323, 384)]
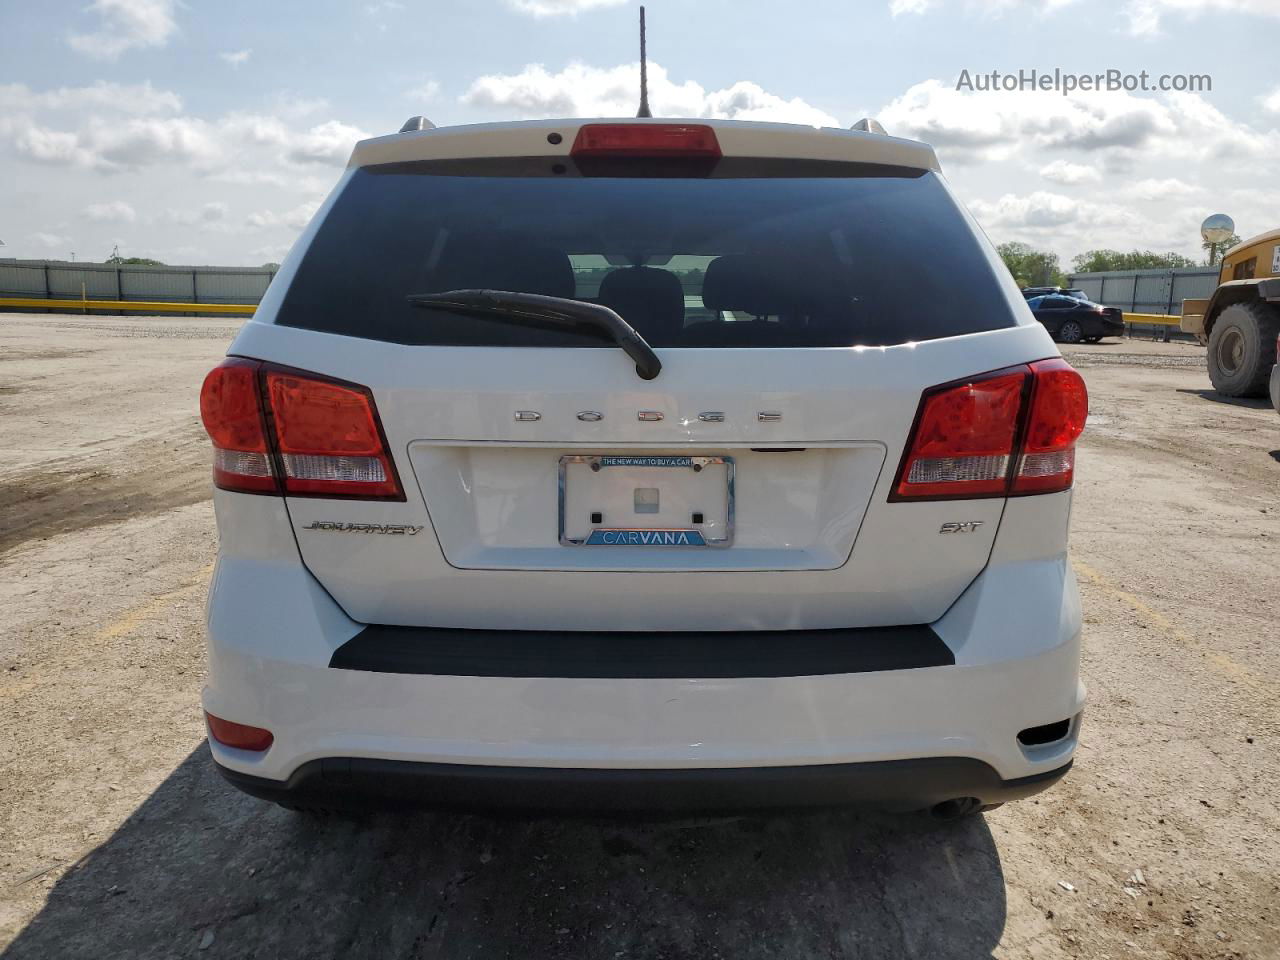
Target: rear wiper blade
[(536, 310)]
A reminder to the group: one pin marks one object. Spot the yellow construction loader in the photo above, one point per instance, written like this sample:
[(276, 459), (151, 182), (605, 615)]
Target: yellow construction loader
[(1241, 321)]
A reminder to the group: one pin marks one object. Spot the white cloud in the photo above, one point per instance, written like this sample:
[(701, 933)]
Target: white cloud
[(1038, 209), (968, 127), (295, 219), (1144, 168), (236, 57), (1144, 16), (287, 179), (126, 25), (114, 211), (1162, 189), (209, 214), (427, 90), (256, 129), (329, 142), (986, 7), (50, 240), (1271, 102), (1070, 174), (560, 8), (271, 253), (295, 106), (112, 143), (1063, 224), (974, 124), (52, 147), (380, 10), (583, 91), (139, 98), (140, 143)]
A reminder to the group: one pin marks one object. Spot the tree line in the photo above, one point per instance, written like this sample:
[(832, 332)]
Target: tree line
[(1040, 268)]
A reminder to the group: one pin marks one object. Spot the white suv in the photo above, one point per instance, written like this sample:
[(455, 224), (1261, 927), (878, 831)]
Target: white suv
[(643, 464)]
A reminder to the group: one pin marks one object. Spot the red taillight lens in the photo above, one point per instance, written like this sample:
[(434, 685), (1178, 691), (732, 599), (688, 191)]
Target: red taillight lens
[(646, 140), (963, 441), (328, 437), (314, 436), (1004, 433), (238, 735), (231, 408), (1059, 408)]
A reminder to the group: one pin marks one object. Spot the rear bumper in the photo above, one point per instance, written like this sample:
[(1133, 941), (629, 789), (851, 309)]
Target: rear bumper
[(687, 707), (360, 782)]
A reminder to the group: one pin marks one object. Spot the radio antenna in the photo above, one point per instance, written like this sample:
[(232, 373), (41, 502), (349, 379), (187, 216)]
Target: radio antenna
[(644, 74)]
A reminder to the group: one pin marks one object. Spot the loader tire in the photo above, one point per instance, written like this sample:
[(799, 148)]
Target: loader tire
[(1242, 349)]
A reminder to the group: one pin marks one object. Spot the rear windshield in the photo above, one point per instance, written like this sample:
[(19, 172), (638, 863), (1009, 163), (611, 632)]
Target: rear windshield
[(757, 255)]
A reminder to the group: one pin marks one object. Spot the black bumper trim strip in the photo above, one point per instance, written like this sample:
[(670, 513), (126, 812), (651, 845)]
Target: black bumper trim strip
[(640, 655), (346, 782)]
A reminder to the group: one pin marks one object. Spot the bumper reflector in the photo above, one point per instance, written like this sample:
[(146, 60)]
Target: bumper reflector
[(238, 735)]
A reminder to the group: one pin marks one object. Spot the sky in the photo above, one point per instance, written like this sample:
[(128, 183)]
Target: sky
[(201, 132)]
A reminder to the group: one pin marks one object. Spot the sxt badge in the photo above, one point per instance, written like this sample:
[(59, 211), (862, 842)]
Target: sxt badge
[(964, 526)]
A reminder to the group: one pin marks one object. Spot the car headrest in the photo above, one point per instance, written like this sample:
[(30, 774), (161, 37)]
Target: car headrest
[(502, 262), (760, 286), (650, 300)]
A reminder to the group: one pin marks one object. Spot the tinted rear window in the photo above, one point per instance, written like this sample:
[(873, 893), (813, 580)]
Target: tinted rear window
[(761, 254)]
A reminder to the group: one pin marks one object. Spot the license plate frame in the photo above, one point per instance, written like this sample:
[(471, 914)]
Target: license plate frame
[(647, 461)]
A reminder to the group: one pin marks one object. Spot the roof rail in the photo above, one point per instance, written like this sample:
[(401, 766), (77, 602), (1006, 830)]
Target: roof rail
[(417, 123), (869, 125)]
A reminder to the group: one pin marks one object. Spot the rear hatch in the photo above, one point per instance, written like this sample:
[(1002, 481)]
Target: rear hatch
[(800, 308)]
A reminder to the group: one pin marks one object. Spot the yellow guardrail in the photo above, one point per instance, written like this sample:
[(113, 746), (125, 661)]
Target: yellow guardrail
[(1153, 319), (151, 306)]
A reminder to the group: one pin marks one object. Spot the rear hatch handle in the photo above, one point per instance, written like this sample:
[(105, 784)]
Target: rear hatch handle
[(560, 313)]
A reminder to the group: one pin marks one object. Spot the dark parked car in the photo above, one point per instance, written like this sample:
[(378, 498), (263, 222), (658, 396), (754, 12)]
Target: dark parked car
[(1076, 292), (1072, 320)]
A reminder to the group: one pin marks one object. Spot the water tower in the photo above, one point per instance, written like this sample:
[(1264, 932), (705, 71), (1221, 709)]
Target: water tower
[(1217, 230)]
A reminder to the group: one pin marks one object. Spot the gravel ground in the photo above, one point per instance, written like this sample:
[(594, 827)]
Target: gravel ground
[(117, 839)]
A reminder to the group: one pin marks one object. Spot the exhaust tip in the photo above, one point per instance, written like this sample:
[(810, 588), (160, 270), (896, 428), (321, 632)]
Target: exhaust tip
[(955, 808)]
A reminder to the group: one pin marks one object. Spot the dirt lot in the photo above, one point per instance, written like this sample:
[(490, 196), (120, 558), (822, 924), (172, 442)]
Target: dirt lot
[(118, 840)]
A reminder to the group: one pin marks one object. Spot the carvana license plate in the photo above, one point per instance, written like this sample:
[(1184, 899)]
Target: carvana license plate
[(645, 538), (646, 501)]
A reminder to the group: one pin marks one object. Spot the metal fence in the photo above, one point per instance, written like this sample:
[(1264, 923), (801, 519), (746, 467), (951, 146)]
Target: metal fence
[(62, 280), (1147, 291), (1134, 291)]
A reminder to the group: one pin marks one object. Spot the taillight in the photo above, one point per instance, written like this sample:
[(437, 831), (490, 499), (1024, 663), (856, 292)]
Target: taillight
[(314, 436), (328, 437), (646, 140), (1059, 408), (1004, 433), (231, 408), (238, 735)]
